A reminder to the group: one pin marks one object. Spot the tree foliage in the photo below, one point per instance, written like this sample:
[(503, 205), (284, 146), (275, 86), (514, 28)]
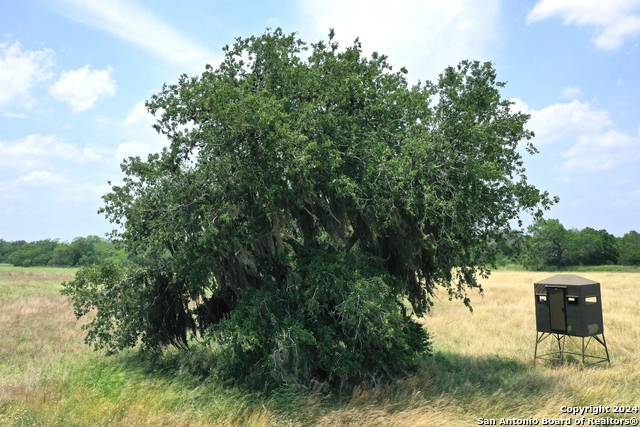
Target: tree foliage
[(551, 244), (34, 253), (630, 248), (593, 247), (81, 251), (7, 248), (306, 207), (548, 245)]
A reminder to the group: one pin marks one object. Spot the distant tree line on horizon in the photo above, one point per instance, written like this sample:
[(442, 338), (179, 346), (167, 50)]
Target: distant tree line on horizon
[(546, 244), (79, 252)]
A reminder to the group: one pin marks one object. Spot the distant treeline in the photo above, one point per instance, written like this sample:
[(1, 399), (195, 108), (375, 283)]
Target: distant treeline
[(546, 244), (81, 251)]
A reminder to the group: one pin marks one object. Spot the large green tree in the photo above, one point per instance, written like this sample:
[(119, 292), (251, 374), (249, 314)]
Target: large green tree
[(34, 253), (593, 247), (548, 244), (306, 207), (630, 248)]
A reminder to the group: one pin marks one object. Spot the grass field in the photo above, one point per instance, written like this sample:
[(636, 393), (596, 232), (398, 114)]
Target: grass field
[(482, 368)]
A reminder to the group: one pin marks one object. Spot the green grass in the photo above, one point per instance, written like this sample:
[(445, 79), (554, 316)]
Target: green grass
[(605, 268), (41, 269), (578, 268), (22, 283), (482, 368)]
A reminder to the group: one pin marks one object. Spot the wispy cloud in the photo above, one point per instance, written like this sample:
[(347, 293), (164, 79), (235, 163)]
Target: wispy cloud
[(38, 170), (571, 92), (83, 87), (21, 70), (603, 150), (134, 24), (41, 178), (424, 36), (594, 143), (10, 115), (141, 138), (60, 186), (615, 20), (559, 120), (35, 151)]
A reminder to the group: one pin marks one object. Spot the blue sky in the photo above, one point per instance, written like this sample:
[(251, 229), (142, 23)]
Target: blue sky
[(74, 75)]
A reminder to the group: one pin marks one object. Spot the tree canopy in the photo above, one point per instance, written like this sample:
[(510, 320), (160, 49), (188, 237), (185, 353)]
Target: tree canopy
[(550, 244), (308, 203), (81, 251), (630, 248)]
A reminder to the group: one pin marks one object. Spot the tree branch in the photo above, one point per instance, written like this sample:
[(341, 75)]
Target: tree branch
[(352, 241)]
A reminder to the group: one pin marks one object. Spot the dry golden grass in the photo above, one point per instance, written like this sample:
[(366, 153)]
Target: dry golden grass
[(502, 326), (482, 368), (23, 283), (36, 322)]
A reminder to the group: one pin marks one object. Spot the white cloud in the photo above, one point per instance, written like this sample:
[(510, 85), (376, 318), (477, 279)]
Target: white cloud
[(142, 138), (38, 152), (425, 36), (615, 20), (81, 192), (139, 116), (134, 24), (571, 92), (43, 166), (10, 115), (132, 149), (604, 150), (89, 154), (558, 120), (40, 178), (597, 146), (21, 70), (60, 186), (32, 149), (83, 87), (35, 150)]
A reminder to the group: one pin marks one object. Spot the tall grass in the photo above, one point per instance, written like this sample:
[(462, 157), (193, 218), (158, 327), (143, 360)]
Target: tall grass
[(8, 268), (482, 368)]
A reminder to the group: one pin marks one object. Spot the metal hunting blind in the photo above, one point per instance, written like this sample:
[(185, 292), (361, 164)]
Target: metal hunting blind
[(570, 305)]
